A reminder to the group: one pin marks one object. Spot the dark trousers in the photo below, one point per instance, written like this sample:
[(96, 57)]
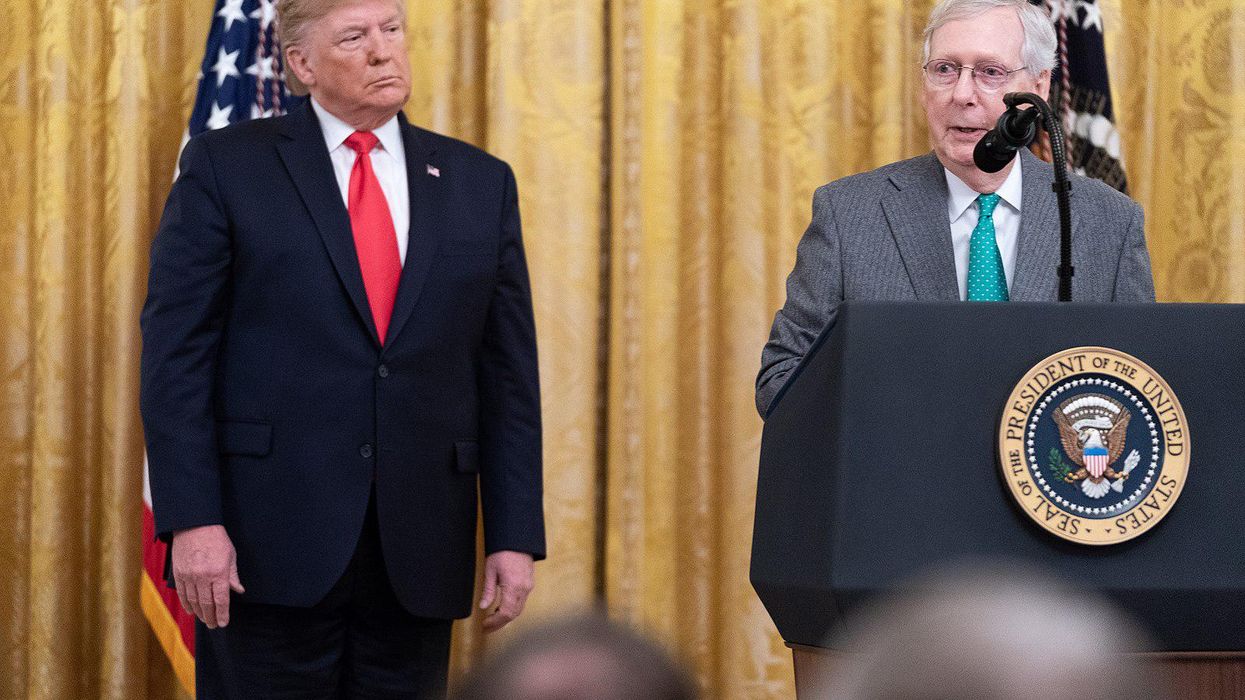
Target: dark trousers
[(358, 642)]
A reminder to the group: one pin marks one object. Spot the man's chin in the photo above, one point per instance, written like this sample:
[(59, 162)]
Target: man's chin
[(390, 98), (958, 157)]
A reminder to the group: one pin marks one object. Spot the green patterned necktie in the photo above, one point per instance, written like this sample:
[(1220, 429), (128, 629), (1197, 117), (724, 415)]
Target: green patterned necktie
[(986, 280)]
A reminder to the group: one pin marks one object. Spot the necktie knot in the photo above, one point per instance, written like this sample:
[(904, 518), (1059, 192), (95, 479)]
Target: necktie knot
[(362, 142), (986, 203)]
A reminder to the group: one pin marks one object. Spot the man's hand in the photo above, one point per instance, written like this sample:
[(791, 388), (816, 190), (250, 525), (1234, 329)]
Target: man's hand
[(205, 568), (507, 581)]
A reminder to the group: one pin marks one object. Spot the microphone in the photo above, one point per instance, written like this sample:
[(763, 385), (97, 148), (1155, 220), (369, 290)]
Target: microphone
[(1015, 130)]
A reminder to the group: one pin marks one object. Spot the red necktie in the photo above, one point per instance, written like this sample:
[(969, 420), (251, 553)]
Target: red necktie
[(374, 237)]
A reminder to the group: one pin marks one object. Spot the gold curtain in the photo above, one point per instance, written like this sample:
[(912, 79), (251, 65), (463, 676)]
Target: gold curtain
[(666, 152)]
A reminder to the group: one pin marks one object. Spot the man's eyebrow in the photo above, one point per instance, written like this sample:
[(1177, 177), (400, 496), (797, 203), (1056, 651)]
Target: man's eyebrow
[(349, 29), (360, 26)]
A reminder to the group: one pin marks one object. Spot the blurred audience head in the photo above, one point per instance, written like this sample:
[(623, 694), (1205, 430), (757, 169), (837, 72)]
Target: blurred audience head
[(585, 656), (993, 633)]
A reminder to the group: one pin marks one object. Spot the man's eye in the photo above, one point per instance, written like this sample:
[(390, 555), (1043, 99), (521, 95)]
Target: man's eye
[(993, 71), (944, 67)]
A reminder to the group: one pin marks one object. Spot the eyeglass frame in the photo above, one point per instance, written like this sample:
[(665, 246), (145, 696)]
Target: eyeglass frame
[(972, 69)]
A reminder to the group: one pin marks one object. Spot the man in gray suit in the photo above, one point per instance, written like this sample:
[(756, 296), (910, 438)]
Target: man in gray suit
[(935, 227)]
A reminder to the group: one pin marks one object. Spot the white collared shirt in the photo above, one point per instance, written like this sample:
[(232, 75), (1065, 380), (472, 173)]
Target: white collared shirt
[(388, 162), (962, 208)]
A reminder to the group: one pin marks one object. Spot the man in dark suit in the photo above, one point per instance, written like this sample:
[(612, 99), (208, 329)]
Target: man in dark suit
[(936, 227), (339, 358)]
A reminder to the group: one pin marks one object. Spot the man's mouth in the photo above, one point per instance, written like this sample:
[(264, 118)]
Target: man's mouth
[(967, 129)]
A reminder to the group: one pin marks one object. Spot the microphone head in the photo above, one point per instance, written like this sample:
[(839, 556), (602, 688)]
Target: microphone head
[(992, 153), (1015, 129)]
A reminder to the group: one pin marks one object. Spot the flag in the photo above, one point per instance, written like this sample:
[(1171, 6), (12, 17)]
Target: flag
[(241, 78), (1081, 92), (1096, 460)]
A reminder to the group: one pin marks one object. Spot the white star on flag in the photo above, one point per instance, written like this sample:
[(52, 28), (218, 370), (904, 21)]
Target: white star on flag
[(232, 11), (220, 117), (264, 68), (1061, 8), (1093, 15), (265, 13), (226, 66)]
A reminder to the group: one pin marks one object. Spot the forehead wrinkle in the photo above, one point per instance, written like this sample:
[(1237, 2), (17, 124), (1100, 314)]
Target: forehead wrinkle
[(356, 24), (976, 49), (360, 13)]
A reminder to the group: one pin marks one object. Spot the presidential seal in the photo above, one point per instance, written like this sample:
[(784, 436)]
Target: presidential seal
[(1094, 446)]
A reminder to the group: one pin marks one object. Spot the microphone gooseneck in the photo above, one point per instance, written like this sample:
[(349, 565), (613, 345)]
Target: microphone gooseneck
[(1015, 130)]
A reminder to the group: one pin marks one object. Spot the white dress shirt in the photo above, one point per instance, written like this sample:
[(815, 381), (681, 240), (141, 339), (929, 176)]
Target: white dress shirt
[(388, 162), (962, 208)]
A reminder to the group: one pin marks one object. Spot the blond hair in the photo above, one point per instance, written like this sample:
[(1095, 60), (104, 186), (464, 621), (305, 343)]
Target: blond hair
[(295, 18)]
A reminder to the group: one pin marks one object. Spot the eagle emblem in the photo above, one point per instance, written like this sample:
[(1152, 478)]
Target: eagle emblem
[(1092, 429), (1093, 445)]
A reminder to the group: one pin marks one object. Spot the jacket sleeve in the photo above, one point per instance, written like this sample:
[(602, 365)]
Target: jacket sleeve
[(510, 426), (814, 290), (182, 323), (1134, 281)]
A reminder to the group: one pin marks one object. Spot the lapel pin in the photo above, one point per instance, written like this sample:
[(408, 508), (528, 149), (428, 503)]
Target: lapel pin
[(435, 172)]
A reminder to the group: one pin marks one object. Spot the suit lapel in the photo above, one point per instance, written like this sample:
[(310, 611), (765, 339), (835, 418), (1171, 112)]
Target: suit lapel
[(427, 201), (307, 161), (1037, 250), (917, 214)]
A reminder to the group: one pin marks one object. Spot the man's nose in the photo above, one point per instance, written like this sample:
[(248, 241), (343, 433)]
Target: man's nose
[(965, 91), (379, 50)]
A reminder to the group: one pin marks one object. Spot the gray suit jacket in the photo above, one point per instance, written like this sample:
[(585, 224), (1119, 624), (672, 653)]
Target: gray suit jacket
[(885, 235)]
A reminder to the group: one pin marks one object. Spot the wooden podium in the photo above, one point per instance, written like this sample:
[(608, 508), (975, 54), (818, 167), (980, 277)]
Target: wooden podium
[(916, 392)]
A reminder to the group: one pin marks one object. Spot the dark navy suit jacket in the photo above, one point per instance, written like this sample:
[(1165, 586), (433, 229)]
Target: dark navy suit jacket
[(270, 407)]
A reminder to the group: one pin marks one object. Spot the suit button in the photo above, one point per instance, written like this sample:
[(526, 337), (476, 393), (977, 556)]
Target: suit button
[(383, 371), (365, 451)]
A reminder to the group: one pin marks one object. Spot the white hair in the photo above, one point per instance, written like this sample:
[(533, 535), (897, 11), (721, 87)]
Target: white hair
[(1040, 43)]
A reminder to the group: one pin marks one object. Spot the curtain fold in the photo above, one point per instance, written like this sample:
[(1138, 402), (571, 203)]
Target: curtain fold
[(86, 90), (1178, 67), (666, 153)]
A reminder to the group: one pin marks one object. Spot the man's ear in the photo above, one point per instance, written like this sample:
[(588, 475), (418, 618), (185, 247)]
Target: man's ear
[(1043, 85), (296, 60)]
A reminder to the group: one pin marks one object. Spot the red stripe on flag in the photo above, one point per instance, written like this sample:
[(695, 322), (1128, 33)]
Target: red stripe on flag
[(154, 552)]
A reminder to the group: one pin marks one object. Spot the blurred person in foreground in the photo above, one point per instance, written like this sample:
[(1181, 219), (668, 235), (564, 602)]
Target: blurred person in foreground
[(1007, 634), (937, 228), (339, 363), (579, 657)]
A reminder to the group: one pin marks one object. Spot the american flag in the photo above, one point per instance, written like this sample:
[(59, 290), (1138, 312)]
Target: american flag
[(242, 71), (1081, 91), (241, 78)]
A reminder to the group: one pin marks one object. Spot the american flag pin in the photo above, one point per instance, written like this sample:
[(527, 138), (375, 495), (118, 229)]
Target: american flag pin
[(435, 172)]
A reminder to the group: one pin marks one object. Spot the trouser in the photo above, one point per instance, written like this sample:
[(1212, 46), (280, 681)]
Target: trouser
[(358, 642)]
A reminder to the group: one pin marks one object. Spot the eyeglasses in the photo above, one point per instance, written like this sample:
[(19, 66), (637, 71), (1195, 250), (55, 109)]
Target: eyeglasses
[(990, 77)]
